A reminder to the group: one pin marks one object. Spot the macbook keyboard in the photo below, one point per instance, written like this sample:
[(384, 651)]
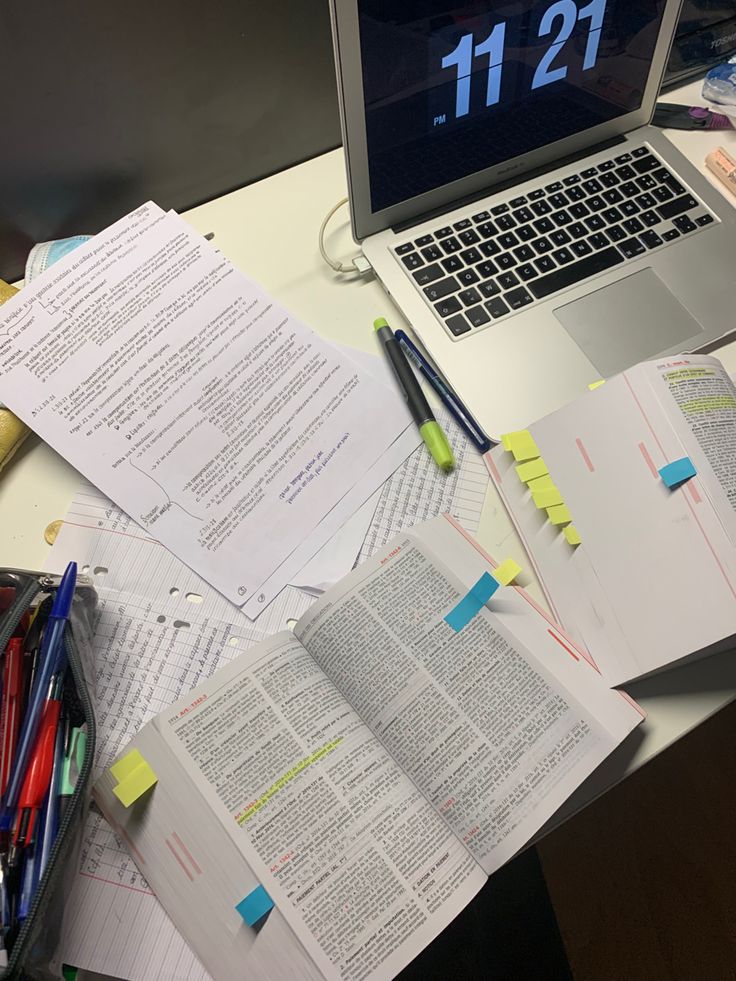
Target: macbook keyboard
[(498, 261)]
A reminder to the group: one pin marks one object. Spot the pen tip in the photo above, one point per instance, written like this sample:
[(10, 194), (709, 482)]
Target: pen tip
[(380, 322)]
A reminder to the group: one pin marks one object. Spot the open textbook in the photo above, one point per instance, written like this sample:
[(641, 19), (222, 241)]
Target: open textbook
[(369, 769), (653, 578)]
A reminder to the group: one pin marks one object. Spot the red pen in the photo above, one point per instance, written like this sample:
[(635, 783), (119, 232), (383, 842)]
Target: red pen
[(10, 712), (38, 775)]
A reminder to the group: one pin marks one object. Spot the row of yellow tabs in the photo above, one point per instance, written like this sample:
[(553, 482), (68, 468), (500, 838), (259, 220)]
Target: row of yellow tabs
[(532, 470)]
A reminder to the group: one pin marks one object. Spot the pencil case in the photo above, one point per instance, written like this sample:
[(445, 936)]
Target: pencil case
[(21, 593)]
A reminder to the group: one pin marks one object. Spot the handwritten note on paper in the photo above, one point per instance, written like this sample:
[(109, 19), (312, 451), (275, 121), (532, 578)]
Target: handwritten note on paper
[(220, 423)]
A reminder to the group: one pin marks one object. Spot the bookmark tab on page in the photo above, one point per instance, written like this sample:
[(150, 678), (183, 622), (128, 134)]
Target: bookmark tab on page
[(478, 595), (506, 572), (677, 472), (522, 445), (134, 777), (572, 534), (547, 498), (532, 470), (559, 514), (255, 906)]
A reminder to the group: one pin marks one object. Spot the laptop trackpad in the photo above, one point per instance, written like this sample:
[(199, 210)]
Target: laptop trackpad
[(629, 321)]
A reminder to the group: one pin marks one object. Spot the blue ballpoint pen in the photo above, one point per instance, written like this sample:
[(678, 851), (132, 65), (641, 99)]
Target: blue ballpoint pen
[(51, 661), (447, 396)]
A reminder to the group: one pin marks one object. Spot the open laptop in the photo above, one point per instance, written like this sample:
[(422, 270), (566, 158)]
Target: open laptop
[(504, 184)]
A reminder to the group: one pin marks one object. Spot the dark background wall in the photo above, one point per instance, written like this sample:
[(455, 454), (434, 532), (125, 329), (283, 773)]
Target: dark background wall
[(105, 105)]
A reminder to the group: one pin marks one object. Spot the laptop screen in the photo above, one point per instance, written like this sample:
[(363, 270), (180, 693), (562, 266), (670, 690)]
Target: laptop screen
[(451, 89)]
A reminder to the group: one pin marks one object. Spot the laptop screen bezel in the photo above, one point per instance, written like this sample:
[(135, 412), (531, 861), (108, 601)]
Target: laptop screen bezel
[(365, 222)]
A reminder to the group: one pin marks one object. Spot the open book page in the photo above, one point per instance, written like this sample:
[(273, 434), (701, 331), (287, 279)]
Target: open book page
[(362, 867), (643, 545), (496, 724)]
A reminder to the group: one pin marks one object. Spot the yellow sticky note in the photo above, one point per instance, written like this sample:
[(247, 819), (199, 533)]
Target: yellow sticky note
[(571, 534), (541, 483), (522, 445), (597, 384), (547, 498), (134, 778), (532, 470), (506, 572), (559, 514), (506, 441)]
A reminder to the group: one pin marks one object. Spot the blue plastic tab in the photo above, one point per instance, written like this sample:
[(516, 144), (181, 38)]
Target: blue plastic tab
[(255, 906), (678, 472), (472, 602)]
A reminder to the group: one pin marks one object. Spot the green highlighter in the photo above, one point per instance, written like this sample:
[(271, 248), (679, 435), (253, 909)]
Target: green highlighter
[(429, 429), (71, 767)]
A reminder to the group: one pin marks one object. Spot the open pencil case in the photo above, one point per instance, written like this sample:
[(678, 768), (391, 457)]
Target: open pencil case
[(35, 940)]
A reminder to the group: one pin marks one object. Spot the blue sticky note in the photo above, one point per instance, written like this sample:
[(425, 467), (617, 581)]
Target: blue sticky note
[(678, 471), (472, 602), (255, 906)]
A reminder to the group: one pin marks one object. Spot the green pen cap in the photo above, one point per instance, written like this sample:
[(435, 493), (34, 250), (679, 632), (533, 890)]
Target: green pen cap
[(433, 436), (73, 763), (380, 322)]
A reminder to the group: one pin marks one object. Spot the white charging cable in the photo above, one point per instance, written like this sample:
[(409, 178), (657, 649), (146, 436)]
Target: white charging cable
[(358, 265)]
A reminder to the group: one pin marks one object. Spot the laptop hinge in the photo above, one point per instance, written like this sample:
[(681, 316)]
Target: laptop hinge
[(512, 182)]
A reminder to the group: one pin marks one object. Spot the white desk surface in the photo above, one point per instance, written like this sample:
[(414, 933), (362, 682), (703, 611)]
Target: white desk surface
[(269, 230)]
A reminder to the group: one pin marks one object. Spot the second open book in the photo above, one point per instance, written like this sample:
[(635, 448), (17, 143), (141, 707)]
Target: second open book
[(370, 769)]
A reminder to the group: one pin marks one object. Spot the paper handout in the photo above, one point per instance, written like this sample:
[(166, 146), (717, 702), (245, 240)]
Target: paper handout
[(219, 422)]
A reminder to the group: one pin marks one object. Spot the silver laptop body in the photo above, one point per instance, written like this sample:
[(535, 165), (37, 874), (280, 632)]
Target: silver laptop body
[(504, 184)]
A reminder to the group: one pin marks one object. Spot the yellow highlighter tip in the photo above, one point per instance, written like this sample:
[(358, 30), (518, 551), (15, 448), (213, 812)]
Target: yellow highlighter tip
[(380, 322)]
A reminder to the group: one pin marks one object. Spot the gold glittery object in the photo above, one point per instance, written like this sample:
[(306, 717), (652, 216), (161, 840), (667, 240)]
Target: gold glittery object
[(52, 531)]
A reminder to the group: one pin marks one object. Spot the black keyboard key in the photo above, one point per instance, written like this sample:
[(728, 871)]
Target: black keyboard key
[(443, 232), (676, 207), (507, 280), (649, 218), (606, 165), (629, 208), (469, 297), (499, 209), (575, 272), (403, 249), (518, 298), (589, 172), (470, 256), (644, 164), (477, 316), (626, 173), (460, 225), (577, 229), (458, 324), (580, 249), (445, 308), (631, 248), (596, 203), (650, 239), (553, 188), (671, 235), (662, 193), (579, 210), (616, 234), (633, 225), (560, 237), (612, 215), (623, 158), (526, 272), (412, 261), (684, 224), (517, 202), (599, 240), (505, 260), (669, 181), (542, 245), (524, 253), (525, 233), (595, 223), (544, 225), (486, 269), (646, 183), (424, 240), (704, 220), (442, 288), (629, 189), (572, 179), (536, 195), (428, 274), (450, 245), (613, 196), (563, 256), (496, 307), (545, 263), (481, 216), (468, 277), (490, 248), (561, 218), (640, 151), (505, 222), (489, 288), (558, 200), (432, 253), (469, 237), (575, 193), (451, 264), (508, 240), (523, 215), (487, 229), (541, 208), (593, 186), (609, 180)]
